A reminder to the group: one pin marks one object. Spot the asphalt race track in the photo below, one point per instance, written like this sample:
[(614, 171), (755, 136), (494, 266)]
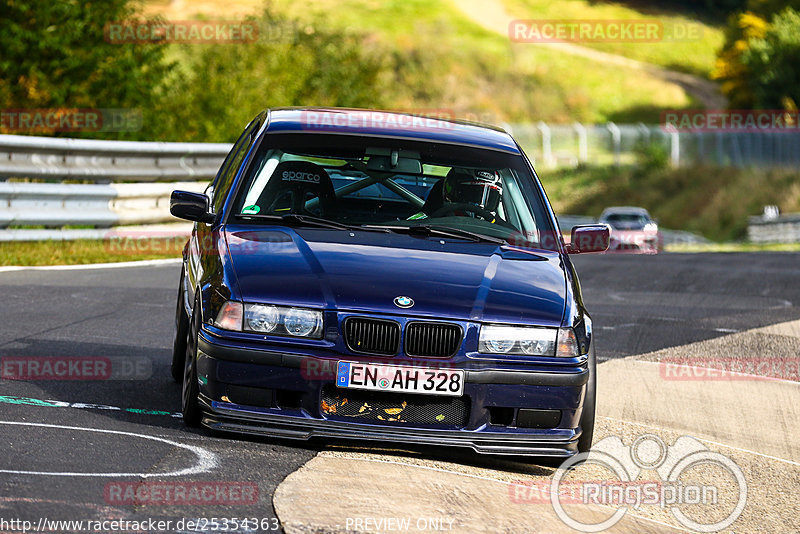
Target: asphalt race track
[(639, 304)]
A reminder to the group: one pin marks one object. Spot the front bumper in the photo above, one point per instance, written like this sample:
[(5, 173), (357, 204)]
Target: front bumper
[(269, 393), (635, 242)]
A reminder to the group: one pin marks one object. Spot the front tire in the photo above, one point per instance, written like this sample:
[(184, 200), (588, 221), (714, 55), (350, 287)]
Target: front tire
[(181, 333), (190, 404), (589, 404)]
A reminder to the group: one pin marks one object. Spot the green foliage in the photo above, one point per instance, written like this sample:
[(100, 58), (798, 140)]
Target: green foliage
[(225, 85), (652, 157), (773, 62), (404, 54), (54, 55), (706, 8), (758, 63)]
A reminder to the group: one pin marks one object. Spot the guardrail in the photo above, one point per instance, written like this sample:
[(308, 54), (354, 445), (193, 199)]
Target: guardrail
[(24, 156), (554, 146), (779, 229), (101, 206), (105, 204)]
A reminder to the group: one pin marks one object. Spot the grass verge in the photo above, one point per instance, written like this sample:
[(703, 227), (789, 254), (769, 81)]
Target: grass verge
[(435, 58), (734, 247), (85, 251), (693, 52)]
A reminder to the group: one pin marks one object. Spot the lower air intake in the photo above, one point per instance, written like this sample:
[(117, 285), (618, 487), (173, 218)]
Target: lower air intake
[(397, 408)]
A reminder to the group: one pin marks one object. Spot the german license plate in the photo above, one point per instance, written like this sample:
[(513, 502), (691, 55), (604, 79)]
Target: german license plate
[(356, 375)]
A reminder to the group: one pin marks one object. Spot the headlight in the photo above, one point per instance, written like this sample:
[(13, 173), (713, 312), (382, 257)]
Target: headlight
[(531, 341), (527, 341), (268, 319), (302, 322), (260, 318)]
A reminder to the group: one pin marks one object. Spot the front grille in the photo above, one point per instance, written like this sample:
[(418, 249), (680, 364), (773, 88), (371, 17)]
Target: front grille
[(394, 408), (372, 336), (432, 340)]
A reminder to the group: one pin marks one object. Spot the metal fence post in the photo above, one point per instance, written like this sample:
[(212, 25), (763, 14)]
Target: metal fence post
[(645, 131), (675, 149), (616, 141), (583, 147), (547, 147)]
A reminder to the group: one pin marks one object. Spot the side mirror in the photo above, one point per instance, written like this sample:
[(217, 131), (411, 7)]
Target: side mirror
[(589, 238), (190, 206)]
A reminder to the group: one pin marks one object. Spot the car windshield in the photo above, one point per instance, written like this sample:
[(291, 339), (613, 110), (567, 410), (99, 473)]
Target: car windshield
[(394, 185), (629, 221)]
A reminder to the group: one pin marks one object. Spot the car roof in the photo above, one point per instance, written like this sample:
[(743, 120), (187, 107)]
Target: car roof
[(376, 123)]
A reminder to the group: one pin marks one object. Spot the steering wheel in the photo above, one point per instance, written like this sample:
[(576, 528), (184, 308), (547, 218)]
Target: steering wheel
[(452, 207)]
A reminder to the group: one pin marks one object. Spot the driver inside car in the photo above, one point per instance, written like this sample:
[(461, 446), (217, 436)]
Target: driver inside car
[(466, 193)]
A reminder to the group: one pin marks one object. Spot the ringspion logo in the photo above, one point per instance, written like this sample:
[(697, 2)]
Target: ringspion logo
[(691, 479)]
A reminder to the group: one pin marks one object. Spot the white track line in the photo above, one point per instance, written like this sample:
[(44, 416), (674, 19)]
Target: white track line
[(206, 460), (116, 265), (656, 427)]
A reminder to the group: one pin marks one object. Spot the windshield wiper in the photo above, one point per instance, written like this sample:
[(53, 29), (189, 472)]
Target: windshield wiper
[(308, 220), (442, 231)]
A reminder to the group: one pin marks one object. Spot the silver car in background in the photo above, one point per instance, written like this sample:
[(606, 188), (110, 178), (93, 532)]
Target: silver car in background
[(633, 230)]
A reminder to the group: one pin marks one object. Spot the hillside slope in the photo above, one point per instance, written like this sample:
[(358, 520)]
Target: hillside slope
[(492, 15), (454, 65)]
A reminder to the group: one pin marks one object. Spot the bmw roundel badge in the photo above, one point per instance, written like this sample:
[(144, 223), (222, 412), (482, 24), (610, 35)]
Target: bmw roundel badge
[(403, 302)]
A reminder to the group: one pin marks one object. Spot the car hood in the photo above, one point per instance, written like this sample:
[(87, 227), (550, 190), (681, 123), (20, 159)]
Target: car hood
[(366, 271)]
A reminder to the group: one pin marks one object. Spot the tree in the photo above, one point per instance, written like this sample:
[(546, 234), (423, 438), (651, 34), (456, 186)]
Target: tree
[(222, 87), (54, 55), (751, 77), (773, 62)]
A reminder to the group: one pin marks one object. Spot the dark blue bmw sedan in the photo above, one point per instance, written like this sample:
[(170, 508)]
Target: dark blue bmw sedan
[(381, 276)]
